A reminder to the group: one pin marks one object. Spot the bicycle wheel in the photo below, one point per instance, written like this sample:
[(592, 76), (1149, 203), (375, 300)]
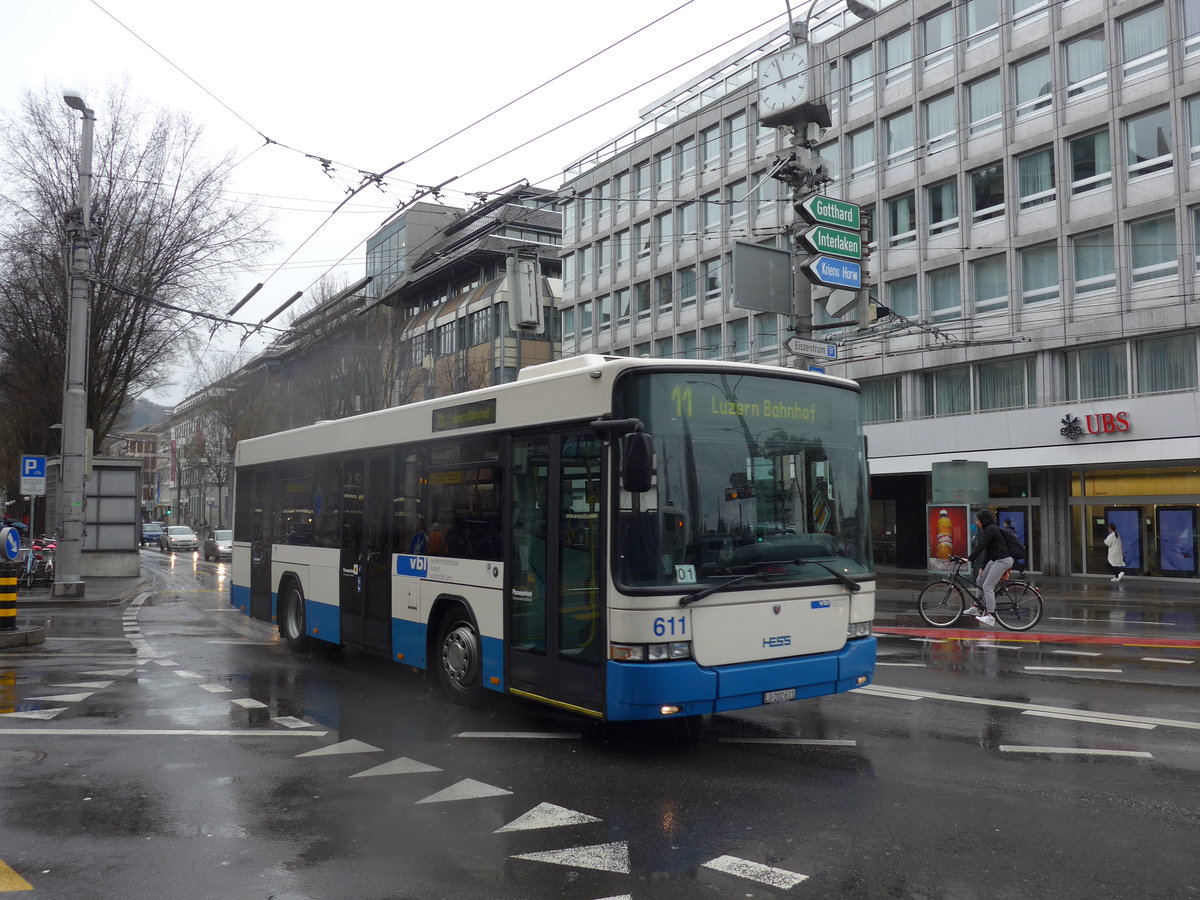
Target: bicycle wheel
[(1018, 606), (940, 603)]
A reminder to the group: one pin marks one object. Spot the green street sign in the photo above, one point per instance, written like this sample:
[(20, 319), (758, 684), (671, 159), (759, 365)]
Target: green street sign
[(823, 239), (826, 211)]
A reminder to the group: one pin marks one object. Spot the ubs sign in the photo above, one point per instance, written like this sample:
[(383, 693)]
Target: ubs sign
[(1096, 423)]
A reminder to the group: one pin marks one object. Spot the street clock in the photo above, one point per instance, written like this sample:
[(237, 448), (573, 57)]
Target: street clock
[(783, 84)]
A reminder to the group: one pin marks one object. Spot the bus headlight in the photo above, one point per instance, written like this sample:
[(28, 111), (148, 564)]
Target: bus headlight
[(858, 629), (650, 652)]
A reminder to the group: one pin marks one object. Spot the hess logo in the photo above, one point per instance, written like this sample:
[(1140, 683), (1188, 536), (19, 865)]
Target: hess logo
[(780, 640)]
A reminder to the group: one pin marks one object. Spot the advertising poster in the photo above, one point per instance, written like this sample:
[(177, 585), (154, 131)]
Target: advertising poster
[(1177, 541), (947, 534), (1127, 524), (1014, 519)]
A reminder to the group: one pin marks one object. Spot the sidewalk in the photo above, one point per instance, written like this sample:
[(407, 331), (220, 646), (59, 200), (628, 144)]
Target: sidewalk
[(1090, 605), (33, 603)]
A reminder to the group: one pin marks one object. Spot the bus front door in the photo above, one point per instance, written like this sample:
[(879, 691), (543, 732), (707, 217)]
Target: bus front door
[(365, 579), (555, 612)]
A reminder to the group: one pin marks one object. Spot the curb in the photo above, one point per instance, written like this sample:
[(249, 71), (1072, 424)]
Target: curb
[(22, 636), (43, 600)]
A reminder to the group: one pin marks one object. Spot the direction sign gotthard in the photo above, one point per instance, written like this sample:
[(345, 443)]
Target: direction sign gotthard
[(826, 211)]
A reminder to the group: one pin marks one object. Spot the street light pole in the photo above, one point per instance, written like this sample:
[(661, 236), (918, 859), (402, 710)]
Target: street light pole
[(68, 577)]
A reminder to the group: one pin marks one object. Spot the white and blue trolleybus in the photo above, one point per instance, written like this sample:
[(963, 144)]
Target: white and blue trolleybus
[(624, 538)]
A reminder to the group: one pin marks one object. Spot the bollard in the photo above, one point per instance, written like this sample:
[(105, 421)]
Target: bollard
[(9, 572)]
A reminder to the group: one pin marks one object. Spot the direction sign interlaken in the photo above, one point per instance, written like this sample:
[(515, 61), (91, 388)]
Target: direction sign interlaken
[(824, 239)]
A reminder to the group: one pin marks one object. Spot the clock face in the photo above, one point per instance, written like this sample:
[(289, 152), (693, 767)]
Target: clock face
[(783, 80)]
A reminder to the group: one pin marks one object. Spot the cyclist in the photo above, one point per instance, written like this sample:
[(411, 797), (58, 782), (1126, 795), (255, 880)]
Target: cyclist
[(992, 549)]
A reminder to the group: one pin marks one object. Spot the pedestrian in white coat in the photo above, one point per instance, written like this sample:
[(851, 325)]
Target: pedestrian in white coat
[(1116, 553)]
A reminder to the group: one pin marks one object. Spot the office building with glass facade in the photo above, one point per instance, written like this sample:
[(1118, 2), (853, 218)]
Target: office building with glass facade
[(1031, 171)]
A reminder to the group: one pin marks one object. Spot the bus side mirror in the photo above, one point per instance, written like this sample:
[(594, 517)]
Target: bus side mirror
[(637, 462)]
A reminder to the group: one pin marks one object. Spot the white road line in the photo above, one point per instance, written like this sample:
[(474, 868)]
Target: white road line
[(165, 662), (1076, 653), (1075, 751), (523, 735), (805, 742), (744, 868), (1164, 659), (216, 688), (248, 703), (53, 640), (1067, 670), (187, 673), (880, 662), (1083, 717), (160, 732), (1093, 621), (246, 643), (991, 646), (885, 692), (929, 640)]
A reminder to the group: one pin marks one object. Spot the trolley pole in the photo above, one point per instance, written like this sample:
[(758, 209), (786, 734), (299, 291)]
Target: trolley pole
[(68, 578)]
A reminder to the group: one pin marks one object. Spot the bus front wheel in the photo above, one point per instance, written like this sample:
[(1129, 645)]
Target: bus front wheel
[(293, 622), (459, 659)]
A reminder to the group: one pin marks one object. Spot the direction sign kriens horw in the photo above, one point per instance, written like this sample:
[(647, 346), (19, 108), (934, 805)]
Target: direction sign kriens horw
[(833, 272), (826, 211), (824, 239)]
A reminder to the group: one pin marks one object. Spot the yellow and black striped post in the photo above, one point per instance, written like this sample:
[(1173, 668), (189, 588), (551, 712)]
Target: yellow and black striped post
[(8, 595)]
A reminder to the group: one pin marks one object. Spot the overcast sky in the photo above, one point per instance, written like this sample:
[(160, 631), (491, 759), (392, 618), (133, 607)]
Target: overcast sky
[(369, 84)]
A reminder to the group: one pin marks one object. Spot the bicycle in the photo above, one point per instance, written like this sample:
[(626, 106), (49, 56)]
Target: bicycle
[(943, 602)]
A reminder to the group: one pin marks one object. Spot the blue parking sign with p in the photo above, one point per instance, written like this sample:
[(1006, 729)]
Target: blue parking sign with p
[(33, 467)]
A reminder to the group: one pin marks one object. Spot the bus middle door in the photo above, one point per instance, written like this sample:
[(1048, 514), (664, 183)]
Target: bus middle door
[(365, 572), (556, 638)]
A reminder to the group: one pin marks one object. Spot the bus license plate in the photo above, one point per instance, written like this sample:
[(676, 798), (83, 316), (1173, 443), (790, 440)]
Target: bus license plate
[(779, 696)]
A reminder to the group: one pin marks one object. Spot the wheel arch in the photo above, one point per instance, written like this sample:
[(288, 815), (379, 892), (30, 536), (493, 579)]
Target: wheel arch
[(442, 607)]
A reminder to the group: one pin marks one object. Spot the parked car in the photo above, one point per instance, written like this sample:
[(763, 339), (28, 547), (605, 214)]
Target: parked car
[(219, 544), (178, 537), (151, 532)]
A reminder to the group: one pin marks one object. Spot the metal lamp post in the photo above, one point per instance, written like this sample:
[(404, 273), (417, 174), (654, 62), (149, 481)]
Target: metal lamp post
[(68, 580)]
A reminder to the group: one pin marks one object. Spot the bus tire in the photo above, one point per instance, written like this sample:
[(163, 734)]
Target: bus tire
[(458, 657), (293, 624)]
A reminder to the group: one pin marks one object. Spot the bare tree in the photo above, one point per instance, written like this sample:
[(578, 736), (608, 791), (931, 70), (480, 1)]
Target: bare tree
[(163, 233)]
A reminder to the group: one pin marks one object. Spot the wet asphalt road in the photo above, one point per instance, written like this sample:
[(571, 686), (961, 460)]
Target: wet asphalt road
[(193, 756)]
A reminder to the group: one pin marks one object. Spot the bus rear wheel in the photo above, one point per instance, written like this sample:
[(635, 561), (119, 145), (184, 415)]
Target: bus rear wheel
[(293, 623), (458, 664)]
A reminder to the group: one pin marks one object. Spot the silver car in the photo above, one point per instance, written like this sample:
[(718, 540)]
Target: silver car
[(219, 544), (178, 537)]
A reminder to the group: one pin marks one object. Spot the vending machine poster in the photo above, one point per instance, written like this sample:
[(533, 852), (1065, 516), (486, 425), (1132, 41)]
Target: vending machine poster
[(948, 534)]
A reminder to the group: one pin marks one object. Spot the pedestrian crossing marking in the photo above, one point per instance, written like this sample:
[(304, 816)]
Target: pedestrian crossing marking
[(35, 713), (11, 881), (547, 815), (350, 746), (467, 789), (401, 766), (65, 698), (744, 868), (612, 857)]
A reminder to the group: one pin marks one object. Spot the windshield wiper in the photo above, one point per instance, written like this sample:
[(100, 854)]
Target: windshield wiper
[(714, 588), (849, 582)]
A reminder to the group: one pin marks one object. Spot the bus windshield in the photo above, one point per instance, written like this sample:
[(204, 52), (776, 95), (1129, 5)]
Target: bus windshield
[(755, 475)]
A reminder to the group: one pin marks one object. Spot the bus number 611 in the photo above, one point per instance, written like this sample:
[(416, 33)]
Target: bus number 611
[(675, 626)]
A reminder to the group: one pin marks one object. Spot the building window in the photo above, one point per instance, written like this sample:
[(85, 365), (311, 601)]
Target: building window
[(602, 200), (1025, 11), (1194, 128), (569, 223), (687, 287), (1144, 42), (602, 256), (1035, 178), (642, 297), (902, 296), (585, 267), (620, 250), (585, 318), (881, 400), (941, 122), (861, 70), (765, 135), (664, 233), (1031, 83), (1148, 143), (663, 175), (739, 339), (982, 19), (900, 137), (1039, 273), (1091, 162), (568, 327), (897, 58), (641, 181), (568, 271), (1153, 248), (641, 239), (1097, 373), (710, 342), (686, 225), (861, 151), (603, 312), (945, 294), (664, 294), (1095, 262), (943, 207), (766, 196), (736, 200), (987, 193), (939, 38), (1006, 384), (735, 135), (712, 281), (1087, 64), (710, 214), (710, 147), (1196, 237), (621, 301), (989, 284), (1166, 364), (585, 211), (687, 157), (620, 187), (902, 220), (948, 391), (983, 101), (1191, 28), (766, 337), (687, 345)]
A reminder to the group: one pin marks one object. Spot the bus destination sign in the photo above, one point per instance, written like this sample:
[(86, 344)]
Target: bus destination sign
[(466, 415)]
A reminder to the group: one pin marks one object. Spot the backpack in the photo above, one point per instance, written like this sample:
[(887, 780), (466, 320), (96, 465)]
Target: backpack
[(1015, 548)]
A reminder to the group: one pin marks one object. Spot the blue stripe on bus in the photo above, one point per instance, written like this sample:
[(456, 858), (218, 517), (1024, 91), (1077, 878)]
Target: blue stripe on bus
[(493, 663), (323, 621), (637, 690), (239, 597), (408, 647)]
